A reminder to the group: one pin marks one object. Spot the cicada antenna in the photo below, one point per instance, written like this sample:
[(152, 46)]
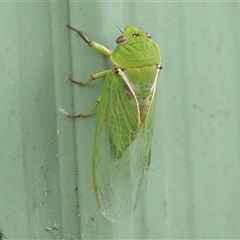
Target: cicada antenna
[(118, 27), (143, 22)]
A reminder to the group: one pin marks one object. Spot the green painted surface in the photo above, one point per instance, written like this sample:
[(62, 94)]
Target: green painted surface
[(193, 188)]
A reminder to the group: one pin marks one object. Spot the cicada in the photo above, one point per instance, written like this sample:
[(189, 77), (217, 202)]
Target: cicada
[(125, 119)]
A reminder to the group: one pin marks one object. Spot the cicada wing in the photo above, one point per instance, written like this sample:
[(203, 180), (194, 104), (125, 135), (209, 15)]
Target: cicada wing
[(114, 182), (114, 170), (122, 148), (144, 142)]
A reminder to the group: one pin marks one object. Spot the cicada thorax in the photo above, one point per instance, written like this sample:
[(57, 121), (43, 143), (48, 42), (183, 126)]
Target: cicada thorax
[(135, 90)]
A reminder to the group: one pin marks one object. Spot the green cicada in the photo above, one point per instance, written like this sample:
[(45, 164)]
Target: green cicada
[(125, 119)]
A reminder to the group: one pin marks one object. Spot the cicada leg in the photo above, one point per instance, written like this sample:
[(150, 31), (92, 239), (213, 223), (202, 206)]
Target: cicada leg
[(101, 49), (96, 46), (93, 77), (83, 115)]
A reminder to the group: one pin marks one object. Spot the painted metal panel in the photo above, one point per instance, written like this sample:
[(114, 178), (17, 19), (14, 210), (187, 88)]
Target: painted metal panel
[(45, 173)]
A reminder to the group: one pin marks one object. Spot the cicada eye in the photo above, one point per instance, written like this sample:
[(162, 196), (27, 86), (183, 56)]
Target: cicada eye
[(148, 35), (120, 39)]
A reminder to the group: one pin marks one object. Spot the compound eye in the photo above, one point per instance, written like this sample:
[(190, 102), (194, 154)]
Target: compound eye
[(120, 39)]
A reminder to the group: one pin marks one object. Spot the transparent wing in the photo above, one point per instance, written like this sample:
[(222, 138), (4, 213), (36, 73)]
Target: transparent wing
[(121, 149), (144, 142)]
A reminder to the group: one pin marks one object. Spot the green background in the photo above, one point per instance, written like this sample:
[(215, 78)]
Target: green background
[(45, 172)]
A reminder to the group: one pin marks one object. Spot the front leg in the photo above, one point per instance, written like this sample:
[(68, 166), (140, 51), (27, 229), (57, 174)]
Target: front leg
[(96, 46)]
